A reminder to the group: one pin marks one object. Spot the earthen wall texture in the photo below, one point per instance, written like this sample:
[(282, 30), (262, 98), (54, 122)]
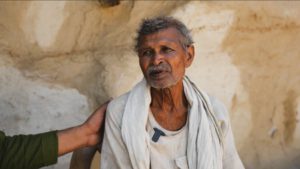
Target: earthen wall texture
[(59, 60)]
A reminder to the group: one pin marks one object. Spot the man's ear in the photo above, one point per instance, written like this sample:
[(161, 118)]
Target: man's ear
[(190, 53)]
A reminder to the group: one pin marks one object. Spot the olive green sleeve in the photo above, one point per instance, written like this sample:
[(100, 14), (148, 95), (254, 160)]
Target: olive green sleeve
[(28, 151)]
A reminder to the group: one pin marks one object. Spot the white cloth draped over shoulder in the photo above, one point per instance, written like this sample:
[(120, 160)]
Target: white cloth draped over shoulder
[(204, 150), (210, 143)]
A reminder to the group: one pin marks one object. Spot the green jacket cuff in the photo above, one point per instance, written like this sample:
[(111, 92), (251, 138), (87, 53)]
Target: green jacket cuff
[(50, 147)]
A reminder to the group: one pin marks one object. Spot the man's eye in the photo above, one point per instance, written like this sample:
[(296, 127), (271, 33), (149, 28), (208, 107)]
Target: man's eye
[(147, 53), (166, 49)]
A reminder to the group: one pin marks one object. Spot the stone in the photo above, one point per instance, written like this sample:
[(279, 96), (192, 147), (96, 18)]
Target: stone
[(60, 60)]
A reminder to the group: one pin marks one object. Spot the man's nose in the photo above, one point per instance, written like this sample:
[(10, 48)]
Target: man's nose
[(157, 59)]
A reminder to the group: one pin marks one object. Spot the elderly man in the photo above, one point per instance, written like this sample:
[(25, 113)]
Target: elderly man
[(165, 121)]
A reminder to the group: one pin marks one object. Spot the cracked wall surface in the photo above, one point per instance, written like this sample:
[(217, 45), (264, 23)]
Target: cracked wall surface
[(59, 60)]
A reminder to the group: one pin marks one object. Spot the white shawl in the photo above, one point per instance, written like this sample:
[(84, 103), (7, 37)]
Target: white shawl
[(204, 149)]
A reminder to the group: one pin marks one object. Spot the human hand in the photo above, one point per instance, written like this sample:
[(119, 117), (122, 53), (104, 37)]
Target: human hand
[(87, 134), (94, 126)]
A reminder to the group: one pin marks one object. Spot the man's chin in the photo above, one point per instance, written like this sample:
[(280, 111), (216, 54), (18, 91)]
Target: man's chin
[(162, 83), (160, 86)]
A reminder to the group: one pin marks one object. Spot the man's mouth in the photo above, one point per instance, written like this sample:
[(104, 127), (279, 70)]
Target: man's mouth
[(157, 74)]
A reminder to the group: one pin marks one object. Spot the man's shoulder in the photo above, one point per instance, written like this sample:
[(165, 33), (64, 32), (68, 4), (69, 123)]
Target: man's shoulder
[(115, 109), (220, 113), (118, 103), (218, 108)]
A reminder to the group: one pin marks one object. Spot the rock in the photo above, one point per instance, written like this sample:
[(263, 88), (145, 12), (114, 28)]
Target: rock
[(28, 107), (60, 60)]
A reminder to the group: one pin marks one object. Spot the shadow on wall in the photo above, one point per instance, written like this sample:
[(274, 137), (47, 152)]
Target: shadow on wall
[(263, 43)]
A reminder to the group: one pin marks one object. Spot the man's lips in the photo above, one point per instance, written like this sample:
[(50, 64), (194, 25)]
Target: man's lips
[(158, 74)]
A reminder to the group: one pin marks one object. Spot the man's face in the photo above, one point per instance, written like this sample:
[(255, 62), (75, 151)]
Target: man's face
[(163, 59)]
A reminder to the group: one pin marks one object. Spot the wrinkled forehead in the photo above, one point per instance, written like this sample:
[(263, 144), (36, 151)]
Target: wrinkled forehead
[(165, 36)]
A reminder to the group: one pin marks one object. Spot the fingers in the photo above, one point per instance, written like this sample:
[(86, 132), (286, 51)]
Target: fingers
[(95, 125), (102, 127), (103, 107), (99, 113), (101, 134)]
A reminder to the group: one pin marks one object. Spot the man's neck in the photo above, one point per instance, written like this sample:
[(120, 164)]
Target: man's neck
[(169, 106)]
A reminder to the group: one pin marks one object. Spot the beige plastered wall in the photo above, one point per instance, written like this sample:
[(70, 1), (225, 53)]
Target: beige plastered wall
[(59, 60)]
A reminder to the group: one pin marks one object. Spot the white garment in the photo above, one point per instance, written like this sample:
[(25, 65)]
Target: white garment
[(169, 151), (118, 153)]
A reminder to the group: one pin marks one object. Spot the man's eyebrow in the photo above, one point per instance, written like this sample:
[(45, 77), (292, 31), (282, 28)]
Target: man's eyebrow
[(143, 47), (164, 41)]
